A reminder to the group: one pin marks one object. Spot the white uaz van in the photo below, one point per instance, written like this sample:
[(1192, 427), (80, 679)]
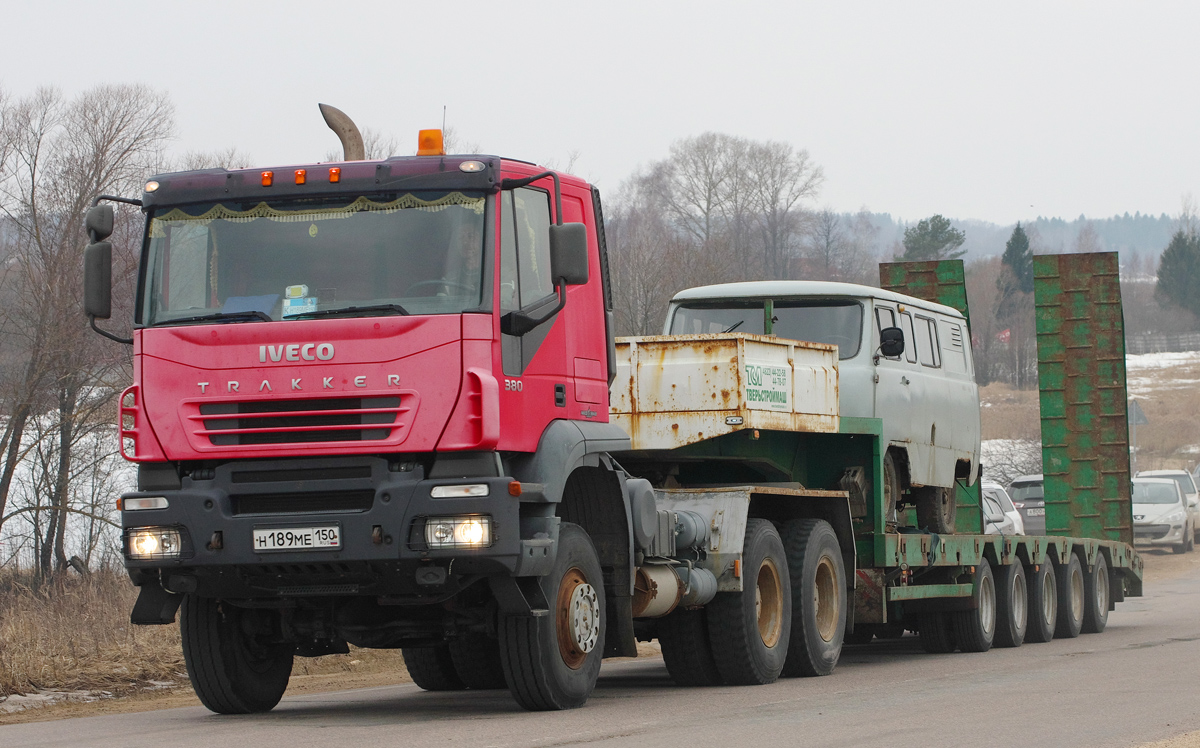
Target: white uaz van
[(924, 392)]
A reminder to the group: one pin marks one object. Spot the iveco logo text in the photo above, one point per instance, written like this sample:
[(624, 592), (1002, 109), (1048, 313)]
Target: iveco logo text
[(296, 352)]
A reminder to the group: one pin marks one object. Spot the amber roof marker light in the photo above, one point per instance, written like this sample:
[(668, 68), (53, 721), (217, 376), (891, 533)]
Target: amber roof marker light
[(430, 143)]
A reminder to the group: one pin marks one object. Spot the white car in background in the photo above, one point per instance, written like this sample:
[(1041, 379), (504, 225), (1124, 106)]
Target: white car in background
[(1160, 515), (1187, 485), (1010, 521)]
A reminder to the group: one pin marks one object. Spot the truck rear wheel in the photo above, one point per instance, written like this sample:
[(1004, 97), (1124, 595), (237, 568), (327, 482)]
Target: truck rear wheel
[(749, 630), (936, 508), (936, 632), (1043, 603), (818, 581), (1012, 605), (551, 662), (1096, 591), (891, 489), (975, 629), (432, 668), (476, 658), (1071, 598), (236, 659), (683, 636)]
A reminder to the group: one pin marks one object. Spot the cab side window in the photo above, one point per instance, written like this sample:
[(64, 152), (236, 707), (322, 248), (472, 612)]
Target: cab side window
[(930, 350), (885, 317), (910, 340), (524, 269)]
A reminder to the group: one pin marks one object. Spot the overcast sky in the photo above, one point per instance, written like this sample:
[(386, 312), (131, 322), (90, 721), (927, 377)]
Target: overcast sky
[(912, 108)]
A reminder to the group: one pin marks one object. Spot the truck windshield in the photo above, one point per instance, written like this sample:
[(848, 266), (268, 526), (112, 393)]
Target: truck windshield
[(835, 322), (399, 253)]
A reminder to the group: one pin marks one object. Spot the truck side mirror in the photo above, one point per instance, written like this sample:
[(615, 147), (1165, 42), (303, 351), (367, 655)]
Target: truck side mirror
[(891, 341), (568, 253), (99, 222), (97, 278)]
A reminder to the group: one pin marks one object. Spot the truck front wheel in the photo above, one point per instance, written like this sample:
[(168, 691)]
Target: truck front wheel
[(750, 630), (551, 662), (236, 658), (818, 597)]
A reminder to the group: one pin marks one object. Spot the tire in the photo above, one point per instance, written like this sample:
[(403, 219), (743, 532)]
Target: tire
[(975, 629), (891, 489), (818, 582), (683, 636), (1071, 598), (749, 630), (432, 668), (232, 662), (1043, 603), (1191, 541), (1179, 548), (1097, 593), (936, 633), (551, 662), (936, 508), (1012, 606), (476, 659)]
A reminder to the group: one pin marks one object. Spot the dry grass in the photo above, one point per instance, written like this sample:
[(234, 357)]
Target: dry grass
[(74, 634), (1009, 413)]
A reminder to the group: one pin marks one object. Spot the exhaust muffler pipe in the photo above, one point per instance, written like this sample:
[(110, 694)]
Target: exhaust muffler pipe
[(347, 132)]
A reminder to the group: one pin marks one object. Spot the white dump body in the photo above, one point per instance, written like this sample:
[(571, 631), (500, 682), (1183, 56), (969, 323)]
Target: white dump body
[(673, 390)]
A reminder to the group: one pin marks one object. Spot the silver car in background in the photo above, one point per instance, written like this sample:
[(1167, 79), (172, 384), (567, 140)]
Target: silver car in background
[(1160, 515), (1029, 496), (1187, 485), (1001, 516)]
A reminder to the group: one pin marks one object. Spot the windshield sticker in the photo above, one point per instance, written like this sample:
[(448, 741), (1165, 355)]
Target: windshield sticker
[(768, 387)]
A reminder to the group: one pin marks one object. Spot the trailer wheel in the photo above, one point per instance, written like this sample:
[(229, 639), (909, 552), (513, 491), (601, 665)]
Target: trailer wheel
[(1012, 606), (476, 658), (1043, 603), (432, 668), (975, 629), (683, 636), (551, 662), (936, 632), (818, 581), (1071, 598), (1096, 591), (936, 508), (235, 658), (749, 630)]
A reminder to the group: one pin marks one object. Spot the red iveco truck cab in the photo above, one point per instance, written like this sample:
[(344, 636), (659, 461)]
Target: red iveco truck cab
[(368, 397)]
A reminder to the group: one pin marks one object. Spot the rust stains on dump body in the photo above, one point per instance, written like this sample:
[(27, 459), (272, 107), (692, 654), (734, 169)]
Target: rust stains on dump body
[(674, 390)]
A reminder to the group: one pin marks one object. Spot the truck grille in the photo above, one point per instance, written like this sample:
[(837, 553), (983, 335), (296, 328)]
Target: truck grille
[(302, 503), (299, 421)]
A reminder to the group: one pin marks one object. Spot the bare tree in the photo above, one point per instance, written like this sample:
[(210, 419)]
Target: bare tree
[(1088, 239), (228, 158), (783, 177)]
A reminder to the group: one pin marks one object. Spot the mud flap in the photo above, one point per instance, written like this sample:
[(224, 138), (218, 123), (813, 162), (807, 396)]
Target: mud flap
[(154, 606)]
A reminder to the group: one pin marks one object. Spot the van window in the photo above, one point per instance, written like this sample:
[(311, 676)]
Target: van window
[(930, 351), (885, 317), (910, 340)]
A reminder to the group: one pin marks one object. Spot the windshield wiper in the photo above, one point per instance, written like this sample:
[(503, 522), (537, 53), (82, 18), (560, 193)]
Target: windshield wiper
[(244, 316), (733, 327), (350, 311)]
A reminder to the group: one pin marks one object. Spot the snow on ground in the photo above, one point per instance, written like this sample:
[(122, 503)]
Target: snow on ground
[(1161, 360)]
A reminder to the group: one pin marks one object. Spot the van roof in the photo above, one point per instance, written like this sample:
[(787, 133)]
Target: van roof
[(805, 289)]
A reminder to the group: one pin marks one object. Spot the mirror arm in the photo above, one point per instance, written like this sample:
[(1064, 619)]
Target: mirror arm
[(107, 334), (512, 184), (519, 323)]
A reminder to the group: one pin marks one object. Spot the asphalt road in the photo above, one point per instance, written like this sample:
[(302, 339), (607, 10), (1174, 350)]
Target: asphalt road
[(1135, 683)]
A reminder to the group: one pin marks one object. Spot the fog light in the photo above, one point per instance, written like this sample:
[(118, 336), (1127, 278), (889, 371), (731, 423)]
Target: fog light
[(459, 492), (153, 543), (458, 532)]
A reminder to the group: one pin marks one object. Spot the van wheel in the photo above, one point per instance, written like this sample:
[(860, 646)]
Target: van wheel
[(432, 668), (975, 629), (1012, 606), (683, 636), (936, 633), (1071, 598), (936, 508), (551, 662), (818, 581), (750, 630), (235, 657), (476, 658), (1097, 592), (891, 489), (1043, 603)]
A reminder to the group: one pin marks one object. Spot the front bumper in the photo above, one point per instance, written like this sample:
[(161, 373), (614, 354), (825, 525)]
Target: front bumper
[(379, 508), (1158, 534)]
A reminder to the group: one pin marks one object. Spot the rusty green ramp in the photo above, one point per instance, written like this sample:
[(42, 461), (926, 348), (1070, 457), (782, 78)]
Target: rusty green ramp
[(942, 282), (1081, 378)]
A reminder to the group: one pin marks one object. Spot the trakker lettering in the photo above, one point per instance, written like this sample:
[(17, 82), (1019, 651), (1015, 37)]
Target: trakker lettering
[(296, 383), (296, 352)]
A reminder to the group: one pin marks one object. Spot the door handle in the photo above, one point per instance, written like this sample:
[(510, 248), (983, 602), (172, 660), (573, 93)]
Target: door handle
[(903, 380)]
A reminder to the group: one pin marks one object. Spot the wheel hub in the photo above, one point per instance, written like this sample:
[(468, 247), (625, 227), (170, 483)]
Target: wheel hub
[(577, 618)]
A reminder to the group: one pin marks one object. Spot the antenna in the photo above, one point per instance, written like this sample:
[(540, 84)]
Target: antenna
[(443, 117)]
